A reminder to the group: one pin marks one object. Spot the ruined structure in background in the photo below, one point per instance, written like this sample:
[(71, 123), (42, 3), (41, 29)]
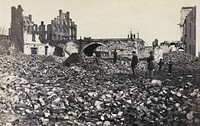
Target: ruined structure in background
[(188, 29), (31, 38), (62, 28), (16, 30), (124, 47), (104, 47), (159, 49)]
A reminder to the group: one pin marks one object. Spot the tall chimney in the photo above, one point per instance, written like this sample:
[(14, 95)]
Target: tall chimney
[(13, 14), (42, 22), (30, 17), (67, 14), (60, 13), (138, 35)]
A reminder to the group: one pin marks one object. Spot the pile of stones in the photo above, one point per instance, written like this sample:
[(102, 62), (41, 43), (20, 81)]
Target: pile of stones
[(39, 90)]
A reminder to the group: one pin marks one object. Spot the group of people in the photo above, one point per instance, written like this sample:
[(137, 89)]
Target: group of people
[(150, 61), (151, 64)]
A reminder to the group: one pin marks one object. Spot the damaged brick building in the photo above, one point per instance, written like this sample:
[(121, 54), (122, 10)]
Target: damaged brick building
[(188, 29), (42, 39)]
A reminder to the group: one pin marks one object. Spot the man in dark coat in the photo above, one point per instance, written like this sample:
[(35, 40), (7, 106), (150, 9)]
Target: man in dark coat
[(115, 56), (160, 64), (134, 62), (170, 64), (150, 62)]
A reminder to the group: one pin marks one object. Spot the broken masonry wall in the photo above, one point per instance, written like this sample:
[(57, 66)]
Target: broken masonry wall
[(158, 53), (126, 46), (191, 32), (62, 28), (28, 24), (74, 32), (16, 31), (123, 46), (34, 38), (49, 32), (198, 31), (165, 48), (27, 36), (144, 52), (32, 47), (22, 28), (169, 48), (188, 29), (71, 47), (39, 49), (184, 12), (42, 32)]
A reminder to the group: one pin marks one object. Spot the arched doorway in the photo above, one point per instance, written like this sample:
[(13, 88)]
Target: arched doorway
[(90, 48), (58, 51)]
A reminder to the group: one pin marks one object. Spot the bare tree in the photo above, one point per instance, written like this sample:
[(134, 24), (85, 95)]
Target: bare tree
[(2, 32)]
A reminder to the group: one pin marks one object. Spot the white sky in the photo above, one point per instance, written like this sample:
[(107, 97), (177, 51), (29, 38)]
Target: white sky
[(108, 18)]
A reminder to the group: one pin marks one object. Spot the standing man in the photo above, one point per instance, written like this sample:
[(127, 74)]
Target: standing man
[(170, 64), (134, 62), (160, 64), (150, 62), (115, 56), (95, 58)]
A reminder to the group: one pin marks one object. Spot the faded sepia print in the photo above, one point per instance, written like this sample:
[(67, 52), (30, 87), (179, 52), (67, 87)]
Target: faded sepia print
[(99, 63)]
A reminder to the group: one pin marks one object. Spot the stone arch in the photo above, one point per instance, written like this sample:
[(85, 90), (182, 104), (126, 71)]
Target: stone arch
[(89, 49)]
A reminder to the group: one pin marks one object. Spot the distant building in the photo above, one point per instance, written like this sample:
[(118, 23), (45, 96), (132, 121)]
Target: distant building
[(31, 38), (125, 46), (188, 29), (159, 49)]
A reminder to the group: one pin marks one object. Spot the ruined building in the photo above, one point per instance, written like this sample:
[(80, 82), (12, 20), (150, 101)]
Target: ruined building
[(42, 39), (104, 47), (188, 29), (16, 30), (62, 28)]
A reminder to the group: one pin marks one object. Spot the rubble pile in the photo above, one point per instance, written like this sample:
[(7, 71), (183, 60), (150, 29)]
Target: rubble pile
[(39, 90), (178, 57), (2, 50), (183, 64)]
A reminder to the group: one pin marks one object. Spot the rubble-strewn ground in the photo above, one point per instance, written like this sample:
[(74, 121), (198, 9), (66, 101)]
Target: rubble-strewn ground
[(38, 90)]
